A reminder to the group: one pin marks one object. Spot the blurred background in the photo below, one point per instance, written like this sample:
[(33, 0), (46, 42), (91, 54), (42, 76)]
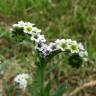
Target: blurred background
[(75, 19)]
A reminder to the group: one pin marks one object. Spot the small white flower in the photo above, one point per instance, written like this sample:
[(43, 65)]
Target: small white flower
[(74, 47), (41, 46), (35, 29), (38, 38), (16, 25), (19, 24), (34, 37), (80, 46), (63, 45), (83, 54), (41, 38), (68, 41), (58, 41), (21, 79), (45, 52), (52, 47), (25, 76), (28, 24), (22, 84), (28, 29)]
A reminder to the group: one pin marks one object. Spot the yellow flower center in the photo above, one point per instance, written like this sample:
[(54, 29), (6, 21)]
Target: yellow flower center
[(63, 45), (28, 28), (73, 47)]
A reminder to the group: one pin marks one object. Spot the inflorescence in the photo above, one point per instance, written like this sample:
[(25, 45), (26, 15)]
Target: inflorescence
[(60, 44), (21, 80)]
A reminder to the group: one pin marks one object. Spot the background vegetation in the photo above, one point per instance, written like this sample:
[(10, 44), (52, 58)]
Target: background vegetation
[(73, 19)]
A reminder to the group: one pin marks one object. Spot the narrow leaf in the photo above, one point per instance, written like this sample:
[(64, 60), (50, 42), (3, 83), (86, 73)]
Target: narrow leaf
[(47, 89), (62, 88)]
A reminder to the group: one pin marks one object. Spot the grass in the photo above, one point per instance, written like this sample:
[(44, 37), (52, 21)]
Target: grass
[(74, 19)]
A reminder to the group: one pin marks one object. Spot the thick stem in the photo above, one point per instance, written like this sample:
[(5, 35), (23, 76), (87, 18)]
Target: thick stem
[(41, 72), (41, 64)]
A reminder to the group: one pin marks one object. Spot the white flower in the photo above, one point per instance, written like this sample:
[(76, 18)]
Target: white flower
[(19, 24), (74, 47), (83, 54), (21, 79), (80, 46), (38, 38), (25, 76), (41, 46), (41, 38), (68, 41), (22, 84), (28, 23), (28, 28), (16, 25), (52, 47), (34, 37), (35, 29), (58, 41), (45, 52), (63, 45)]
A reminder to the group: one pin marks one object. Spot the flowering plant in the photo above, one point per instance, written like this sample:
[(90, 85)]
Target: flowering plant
[(44, 53)]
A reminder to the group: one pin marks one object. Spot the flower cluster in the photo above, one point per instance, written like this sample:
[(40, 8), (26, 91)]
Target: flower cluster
[(21, 79), (73, 47), (63, 45), (45, 49), (27, 27)]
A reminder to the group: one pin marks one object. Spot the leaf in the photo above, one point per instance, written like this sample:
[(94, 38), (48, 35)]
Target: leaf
[(62, 88), (47, 89), (75, 60)]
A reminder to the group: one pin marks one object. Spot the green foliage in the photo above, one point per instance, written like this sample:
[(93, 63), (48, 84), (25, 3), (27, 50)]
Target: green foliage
[(48, 88), (75, 61), (61, 89)]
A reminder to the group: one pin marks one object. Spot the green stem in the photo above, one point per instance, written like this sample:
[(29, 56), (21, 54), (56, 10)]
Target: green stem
[(42, 77), (41, 63)]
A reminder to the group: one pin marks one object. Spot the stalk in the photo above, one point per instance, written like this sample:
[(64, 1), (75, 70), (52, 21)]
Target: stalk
[(41, 75), (42, 80)]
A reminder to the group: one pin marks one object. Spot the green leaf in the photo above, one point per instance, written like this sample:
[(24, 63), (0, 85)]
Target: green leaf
[(75, 60), (62, 88), (47, 89)]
